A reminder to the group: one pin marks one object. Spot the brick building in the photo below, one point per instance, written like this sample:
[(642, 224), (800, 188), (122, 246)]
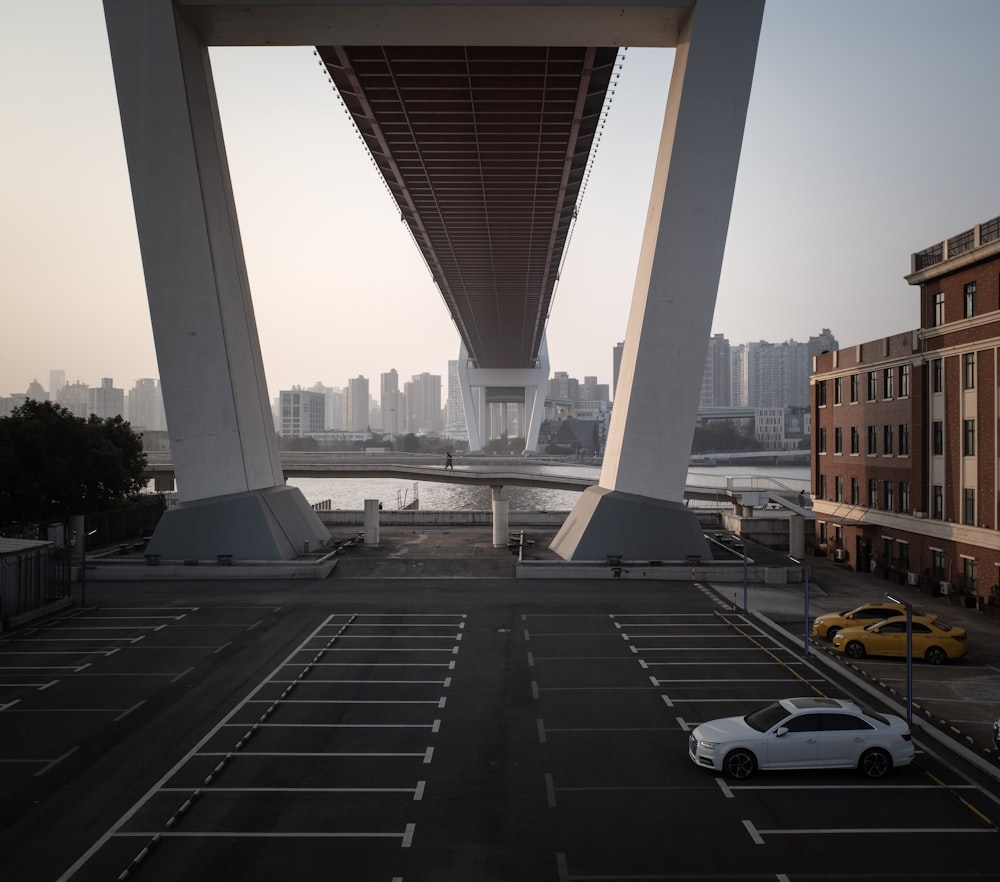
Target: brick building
[(904, 442)]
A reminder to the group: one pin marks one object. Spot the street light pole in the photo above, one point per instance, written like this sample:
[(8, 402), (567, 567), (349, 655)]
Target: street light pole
[(805, 570), (909, 653), (83, 565)]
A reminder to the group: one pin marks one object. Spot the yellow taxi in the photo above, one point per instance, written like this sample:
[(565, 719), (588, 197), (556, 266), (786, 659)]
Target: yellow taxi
[(933, 640), (830, 623)]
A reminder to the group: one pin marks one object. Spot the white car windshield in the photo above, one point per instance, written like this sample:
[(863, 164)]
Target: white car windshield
[(766, 717)]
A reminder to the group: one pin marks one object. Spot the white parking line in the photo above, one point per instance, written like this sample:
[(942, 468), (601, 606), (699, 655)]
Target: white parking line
[(758, 835), (406, 836), (434, 726)]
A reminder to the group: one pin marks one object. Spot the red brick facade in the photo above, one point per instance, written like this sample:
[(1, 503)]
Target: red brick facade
[(912, 491)]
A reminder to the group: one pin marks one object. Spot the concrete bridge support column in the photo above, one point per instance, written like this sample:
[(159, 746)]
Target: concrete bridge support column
[(501, 521), (637, 508), (476, 399), (233, 495), (797, 536)]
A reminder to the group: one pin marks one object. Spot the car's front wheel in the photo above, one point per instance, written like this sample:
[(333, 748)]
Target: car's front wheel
[(832, 632), (854, 649), (739, 763), (936, 655), (874, 763)]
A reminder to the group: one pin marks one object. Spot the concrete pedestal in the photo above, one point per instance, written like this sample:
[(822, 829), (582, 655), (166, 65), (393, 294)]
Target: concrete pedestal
[(371, 522), (272, 524), (501, 519), (607, 523)]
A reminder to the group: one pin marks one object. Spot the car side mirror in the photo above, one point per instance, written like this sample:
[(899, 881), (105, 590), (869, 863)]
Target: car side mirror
[(781, 730)]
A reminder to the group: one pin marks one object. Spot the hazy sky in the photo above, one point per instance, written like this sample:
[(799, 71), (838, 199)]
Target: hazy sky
[(872, 133)]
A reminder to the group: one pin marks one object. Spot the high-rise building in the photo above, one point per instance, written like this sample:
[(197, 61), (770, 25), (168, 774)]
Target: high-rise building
[(145, 406), (393, 403), (57, 379), (423, 404), (455, 425), (75, 398), (36, 392), (715, 386), (904, 437), (302, 412), (356, 404), (106, 402)]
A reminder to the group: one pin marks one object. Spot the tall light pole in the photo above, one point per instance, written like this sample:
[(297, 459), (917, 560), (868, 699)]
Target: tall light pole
[(805, 570), (83, 564), (909, 653)]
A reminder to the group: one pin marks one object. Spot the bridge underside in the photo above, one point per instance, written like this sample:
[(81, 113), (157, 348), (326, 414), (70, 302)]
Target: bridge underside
[(481, 117)]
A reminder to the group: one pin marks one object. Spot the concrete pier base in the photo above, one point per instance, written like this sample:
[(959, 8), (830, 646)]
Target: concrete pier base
[(606, 523), (272, 524)]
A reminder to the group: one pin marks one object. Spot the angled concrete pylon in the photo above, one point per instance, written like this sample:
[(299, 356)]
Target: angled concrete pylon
[(636, 510), (233, 496)]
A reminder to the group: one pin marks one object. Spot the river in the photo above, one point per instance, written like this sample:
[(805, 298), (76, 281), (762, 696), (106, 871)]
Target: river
[(350, 493)]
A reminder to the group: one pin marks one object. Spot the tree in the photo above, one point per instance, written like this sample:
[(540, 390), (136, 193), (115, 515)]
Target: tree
[(54, 464)]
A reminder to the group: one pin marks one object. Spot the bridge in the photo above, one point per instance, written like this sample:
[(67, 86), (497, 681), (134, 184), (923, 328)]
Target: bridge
[(481, 116)]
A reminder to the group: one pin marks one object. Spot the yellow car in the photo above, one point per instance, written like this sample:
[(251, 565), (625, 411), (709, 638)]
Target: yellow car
[(933, 640), (830, 623)]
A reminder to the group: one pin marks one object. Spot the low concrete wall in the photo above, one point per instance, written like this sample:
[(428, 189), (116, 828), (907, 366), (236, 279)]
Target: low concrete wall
[(670, 571), (430, 518)]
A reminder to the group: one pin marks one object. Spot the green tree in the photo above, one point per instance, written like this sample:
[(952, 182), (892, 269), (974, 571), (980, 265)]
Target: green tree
[(54, 464)]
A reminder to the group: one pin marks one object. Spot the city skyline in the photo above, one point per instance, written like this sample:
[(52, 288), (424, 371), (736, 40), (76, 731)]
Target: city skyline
[(839, 183)]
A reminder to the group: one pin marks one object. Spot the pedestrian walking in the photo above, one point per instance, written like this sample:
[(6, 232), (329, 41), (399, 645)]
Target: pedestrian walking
[(448, 464)]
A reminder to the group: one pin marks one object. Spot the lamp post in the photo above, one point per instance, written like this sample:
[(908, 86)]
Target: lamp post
[(745, 576), (909, 653), (83, 564), (805, 570)]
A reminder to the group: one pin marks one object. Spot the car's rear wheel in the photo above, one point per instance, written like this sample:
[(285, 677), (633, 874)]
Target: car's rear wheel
[(832, 632), (936, 655), (874, 763), (739, 763), (854, 649)]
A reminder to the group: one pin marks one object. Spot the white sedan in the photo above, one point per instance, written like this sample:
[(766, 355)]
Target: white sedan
[(803, 733)]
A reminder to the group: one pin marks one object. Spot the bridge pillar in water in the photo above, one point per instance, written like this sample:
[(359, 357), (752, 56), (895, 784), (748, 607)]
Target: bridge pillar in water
[(637, 509), (482, 387), (501, 520), (233, 498)]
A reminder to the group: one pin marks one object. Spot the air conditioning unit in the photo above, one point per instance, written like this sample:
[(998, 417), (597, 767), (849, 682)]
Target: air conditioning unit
[(945, 587), (838, 554), (912, 579)]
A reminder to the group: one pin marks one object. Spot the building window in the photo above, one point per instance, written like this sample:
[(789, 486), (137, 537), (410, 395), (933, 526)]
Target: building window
[(937, 375), (969, 437), (855, 387), (821, 393), (838, 440), (872, 440), (904, 381), (888, 498), (838, 390), (855, 440), (904, 496), (855, 492), (937, 438), (888, 383), (887, 441), (872, 385), (887, 551), (969, 506), (937, 563), (969, 571), (937, 502), (872, 493), (937, 319), (970, 300), (822, 486), (822, 533), (838, 489), (969, 370), (904, 555), (904, 439), (821, 441)]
